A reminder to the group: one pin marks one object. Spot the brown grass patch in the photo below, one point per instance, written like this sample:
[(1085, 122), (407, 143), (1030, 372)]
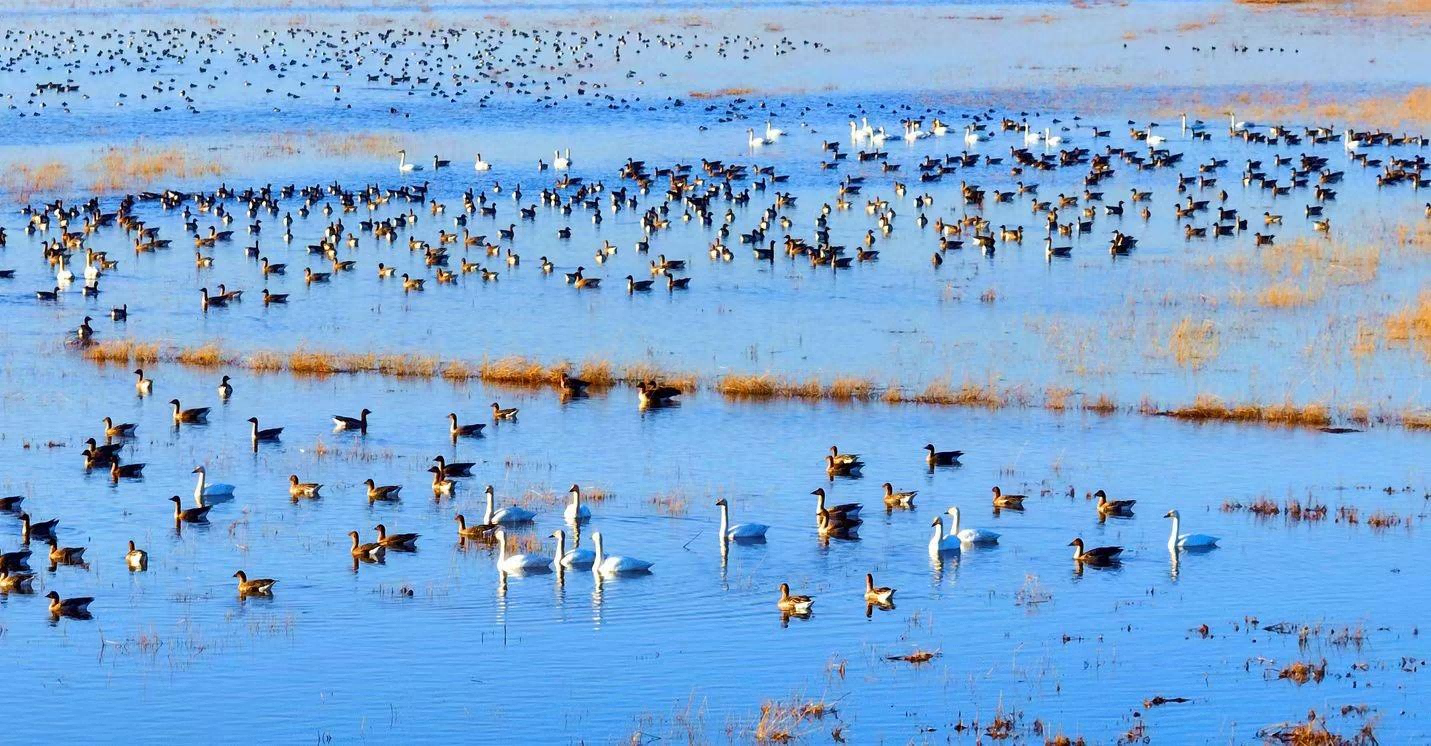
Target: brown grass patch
[(205, 356), (1193, 344), (1208, 407), (721, 93), (784, 722), (122, 168), (23, 181), (1302, 672), (1412, 325)]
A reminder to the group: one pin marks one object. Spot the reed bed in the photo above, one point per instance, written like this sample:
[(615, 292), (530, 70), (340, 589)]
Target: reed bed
[(1208, 407), (122, 168)]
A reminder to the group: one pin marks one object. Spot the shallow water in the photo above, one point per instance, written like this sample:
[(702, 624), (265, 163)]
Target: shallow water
[(434, 644)]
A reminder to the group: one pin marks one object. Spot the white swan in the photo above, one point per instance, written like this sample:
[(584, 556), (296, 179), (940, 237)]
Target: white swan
[(518, 562), (1051, 140), (1350, 142), (1030, 137), (576, 512), (740, 530), (1187, 541), (208, 494), (63, 276), (509, 514), (561, 162), (878, 136), (970, 136), (616, 564), (91, 272), (577, 557), (1154, 140), (481, 165), (771, 133), (970, 535), (941, 544), (404, 166), (751, 139)]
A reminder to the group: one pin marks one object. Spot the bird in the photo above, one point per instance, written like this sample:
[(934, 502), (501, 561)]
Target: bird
[(1113, 507), (378, 492), (16, 582), (1096, 555), (479, 531), (576, 558), (266, 435), (837, 513), (894, 499), (969, 535), (881, 596), (739, 531), (518, 563), (76, 607), (401, 542), (136, 559), (940, 543), (191, 416), (1187, 541), (189, 515), (144, 386), (208, 494), (792, 604), (65, 555), (463, 431), (359, 423), (255, 587), (297, 489), (369, 552), (576, 512), (120, 430), (1012, 502), (509, 514), (941, 458), (655, 395), (499, 414), (609, 565)]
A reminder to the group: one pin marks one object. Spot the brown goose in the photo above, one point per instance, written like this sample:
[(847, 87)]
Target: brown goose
[(190, 515), (120, 430), (463, 431), (77, 607), (941, 458), (255, 587), (1013, 502), (378, 492), (65, 555), (1113, 507), (793, 604), (401, 542), (369, 552), (1096, 555), (195, 415), (479, 531), (655, 395), (16, 582), (837, 513), (881, 596), (453, 468), (297, 489), (36, 529)]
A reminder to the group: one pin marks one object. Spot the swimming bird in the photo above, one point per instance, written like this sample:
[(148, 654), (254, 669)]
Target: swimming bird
[(120, 430), (255, 587), (969, 535), (226, 389), (76, 607), (463, 431), (366, 552), (518, 563), (941, 458), (881, 596), (144, 386), (577, 558), (1187, 541), (655, 395), (65, 555), (378, 492), (940, 543), (16, 582), (441, 485), (793, 604), (136, 559), (265, 435), (894, 499), (190, 515), (1096, 555), (453, 468), (837, 513), (297, 489), (1012, 502), (609, 565), (36, 529), (1113, 507), (498, 413), (207, 494), (359, 423), (576, 512), (481, 165), (400, 542), (479, 531), (194, 415), (739, 531), (125, 471), (509, 514)]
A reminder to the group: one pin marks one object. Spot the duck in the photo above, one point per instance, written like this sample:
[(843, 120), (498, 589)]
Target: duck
[(378, 492), (120, 430), (479, 531), (208, 494), (463, 431), (190, 515), (940, 543), (226, 389), (969, 535), (1187, 541), (498, 413), (837, 513), (845, 459), (65, 555), (832, 525), (263, 435), (616, 564), (16, 582), (578, 558), (881, 596), (1113, 507), (370, 552), (255, 587), (941, 458), (297, 489), (401, 542), (77, 607), (359, 423), (11, 503), (894, 499), (144, 386), (509, 514), (1012, 502), (739, 531), (576, 512), (136, 559), (1096, 555), (194, 415), (792, 604), (518, 563)]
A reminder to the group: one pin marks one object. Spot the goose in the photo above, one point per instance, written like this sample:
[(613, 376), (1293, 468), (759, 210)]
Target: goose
[(15, 561), (119, 313), (401, 542), (844, 459), (1113, 507), (126, 471), (518, 563), (454, 468), (226, 389), (378, 492), (404, 166), (969, 535), (441, 485), (894, 499), (836, 469), (509, 514), (255, 587), (740, 531), (263, 435), (414, 284), (498, 413), (360, 423), (571, 386), (463, 431), (297, 489), (121, 430), (616, 564), (77, 607), (836, 512), (481, 165), (881, 596), (274, 298), (195, 415), (208, 494), (480, 531), (940, 543), (36, 529), (1013, 502), (578, 558), (839, 526), (655, 395), (941, 458), (48, 295), (136, 559), (11, 503), (1187, 541), (369, 552), (576, 512), (65, 555), (16, 582), (190, 515), (793, 604), (1096, 555), (144, 386)]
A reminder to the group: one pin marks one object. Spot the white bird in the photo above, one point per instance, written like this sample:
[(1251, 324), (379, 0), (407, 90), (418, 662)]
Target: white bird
[(616, 564), (740, 530), (208, 494), (561, 162), (577, 557), (751, 138), (481, 165), (856, 134), (509, 514), (771, 133), (941, 544), (1051, 140), (1187, 541), (878, 137), (63, 276), (404, 166), (970, 136), (518, 562), (576, 512), (1156, 139), (1030, 137), (970, 535)]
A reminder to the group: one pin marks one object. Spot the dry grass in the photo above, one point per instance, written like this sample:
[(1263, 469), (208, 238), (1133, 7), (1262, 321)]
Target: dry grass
[(456, 370), (1411, 108), (24, 181), (1416, 420), (1411, 326), (1102, 404), (670, 503), (1208, 407), (123, 168), (356, 144), (1287, 294), (1302, 672), (1193, 344), (968, 394), (515, 371), (123, 352), (772, 386), (721, 93), (407, 366), (784, 722), (205, 356)]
